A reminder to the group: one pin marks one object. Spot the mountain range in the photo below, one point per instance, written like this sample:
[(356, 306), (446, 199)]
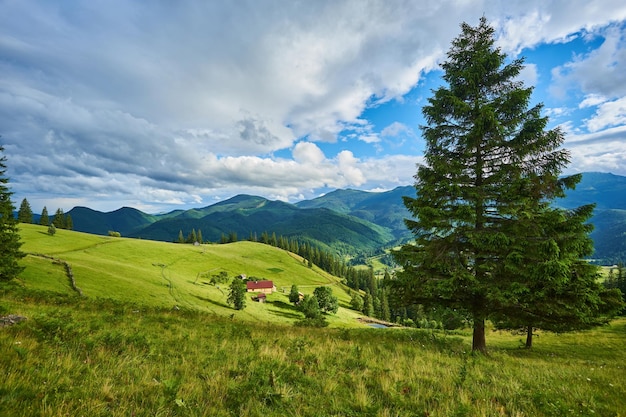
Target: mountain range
[(344, 221)]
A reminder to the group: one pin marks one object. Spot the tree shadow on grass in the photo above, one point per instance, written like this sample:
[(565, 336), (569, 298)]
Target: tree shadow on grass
[(285, 309), (208, 300)]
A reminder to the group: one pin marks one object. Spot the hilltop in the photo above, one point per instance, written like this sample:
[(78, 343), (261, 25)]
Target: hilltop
[(167, 275)]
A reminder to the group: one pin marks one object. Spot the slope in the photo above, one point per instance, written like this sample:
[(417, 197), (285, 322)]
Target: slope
[(160, 274)]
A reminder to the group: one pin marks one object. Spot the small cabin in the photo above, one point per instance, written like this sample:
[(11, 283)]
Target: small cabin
[(260, 297)]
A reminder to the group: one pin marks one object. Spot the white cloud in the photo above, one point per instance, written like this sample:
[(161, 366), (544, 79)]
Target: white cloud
[(592, 100), (395, 129), (176, 103), (608, 114), (308, 153), (601, 72)]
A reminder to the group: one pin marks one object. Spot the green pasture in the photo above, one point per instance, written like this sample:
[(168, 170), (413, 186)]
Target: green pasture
[(159, 274)]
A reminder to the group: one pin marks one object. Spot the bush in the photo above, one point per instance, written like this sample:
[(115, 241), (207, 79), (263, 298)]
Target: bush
[(114, 234)]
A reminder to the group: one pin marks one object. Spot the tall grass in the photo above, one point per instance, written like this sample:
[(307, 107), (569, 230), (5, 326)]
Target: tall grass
[(76, 356)]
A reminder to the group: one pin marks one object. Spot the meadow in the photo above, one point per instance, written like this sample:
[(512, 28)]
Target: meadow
[(122, 349)]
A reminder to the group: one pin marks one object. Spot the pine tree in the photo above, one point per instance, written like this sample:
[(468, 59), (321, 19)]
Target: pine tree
[(25, 214), (44, 220), (180, 239), (59, 219), (10, 244), (69, 223), (356, 301), (556, 289), (490, 162), (368, 305), (200, 240)]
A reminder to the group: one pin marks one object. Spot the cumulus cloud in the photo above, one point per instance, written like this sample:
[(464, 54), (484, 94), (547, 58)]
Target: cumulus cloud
[(608, 114), (179, 103), (601, 72)]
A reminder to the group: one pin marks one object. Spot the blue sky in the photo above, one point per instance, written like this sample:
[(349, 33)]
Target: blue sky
[(170, 105)]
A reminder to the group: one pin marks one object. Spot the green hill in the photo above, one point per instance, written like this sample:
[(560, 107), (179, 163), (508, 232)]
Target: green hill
[(249, 216), (160, 274)]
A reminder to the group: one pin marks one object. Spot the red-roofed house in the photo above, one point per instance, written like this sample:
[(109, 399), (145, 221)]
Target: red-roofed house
[(266, 287)]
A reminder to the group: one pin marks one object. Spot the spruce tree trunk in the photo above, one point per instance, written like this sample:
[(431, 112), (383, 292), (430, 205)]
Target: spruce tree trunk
[(529, 337), (478, 339)]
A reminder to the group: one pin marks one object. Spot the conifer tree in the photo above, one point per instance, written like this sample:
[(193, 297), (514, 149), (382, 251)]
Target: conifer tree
[(10, 244), (69, 223), (25, 213), (491, 168), (59, 219), (44, 220)]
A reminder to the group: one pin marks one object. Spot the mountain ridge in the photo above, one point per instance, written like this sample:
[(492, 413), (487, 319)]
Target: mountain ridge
[(345, 221)]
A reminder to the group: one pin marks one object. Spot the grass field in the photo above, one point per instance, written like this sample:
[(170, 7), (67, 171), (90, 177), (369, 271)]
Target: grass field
[(160, 274), (122, 350)]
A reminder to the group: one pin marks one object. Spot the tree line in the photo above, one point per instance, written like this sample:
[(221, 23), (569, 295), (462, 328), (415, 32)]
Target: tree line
[(60, 220)]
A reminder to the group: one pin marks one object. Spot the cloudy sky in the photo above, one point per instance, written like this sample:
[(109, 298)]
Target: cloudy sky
[(177, 104)]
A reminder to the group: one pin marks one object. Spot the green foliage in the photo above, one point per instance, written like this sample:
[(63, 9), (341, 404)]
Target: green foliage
[(114, 234), (44, 220), (52, 229), (294, 294), (313, 316), (356, 301), (220, 278), (25, 213), (10, 244), (368, 305), (237, 294), (482, 209), (327, 301)]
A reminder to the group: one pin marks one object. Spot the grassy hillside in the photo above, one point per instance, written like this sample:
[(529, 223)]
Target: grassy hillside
[(159, 274), (77, 356), (123, 350)]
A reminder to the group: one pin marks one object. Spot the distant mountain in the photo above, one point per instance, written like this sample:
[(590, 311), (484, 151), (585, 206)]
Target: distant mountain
[(608, 191), (252, 216), (385, 209), (344, 221), (125, 220)]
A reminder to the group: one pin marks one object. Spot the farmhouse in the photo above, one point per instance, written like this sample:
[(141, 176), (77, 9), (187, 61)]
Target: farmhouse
[(266, 287)]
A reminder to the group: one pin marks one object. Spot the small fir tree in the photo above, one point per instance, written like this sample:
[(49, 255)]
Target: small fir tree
[(44, 220), (356, 301), (59, 219), (10, 244), (25, 213)]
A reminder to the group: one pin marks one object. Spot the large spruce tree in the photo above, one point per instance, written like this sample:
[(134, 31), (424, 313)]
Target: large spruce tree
[(10, 243), (491, 169)]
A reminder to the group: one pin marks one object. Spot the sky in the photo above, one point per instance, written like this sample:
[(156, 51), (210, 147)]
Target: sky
[(162, 105)]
